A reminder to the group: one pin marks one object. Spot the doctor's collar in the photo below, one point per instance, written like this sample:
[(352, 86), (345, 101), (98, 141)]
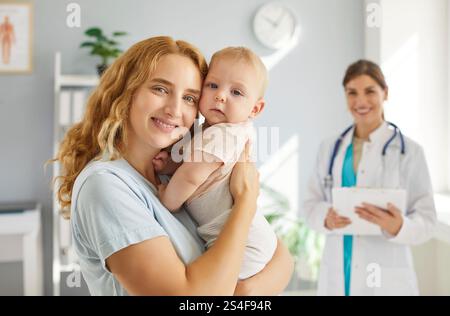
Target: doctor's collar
[(379, 133)]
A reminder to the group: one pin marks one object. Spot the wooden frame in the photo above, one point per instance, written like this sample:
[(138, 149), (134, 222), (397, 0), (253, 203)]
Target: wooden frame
[(16, 25)]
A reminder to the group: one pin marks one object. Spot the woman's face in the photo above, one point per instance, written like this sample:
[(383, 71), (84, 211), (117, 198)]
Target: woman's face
[(165, 106), (365, 100)]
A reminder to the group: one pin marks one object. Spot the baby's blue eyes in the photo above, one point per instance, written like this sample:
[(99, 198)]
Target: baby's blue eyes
[(212, 85), (236, 92)]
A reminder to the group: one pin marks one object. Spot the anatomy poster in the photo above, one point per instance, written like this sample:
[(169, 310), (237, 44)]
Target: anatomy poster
[(15, 37)]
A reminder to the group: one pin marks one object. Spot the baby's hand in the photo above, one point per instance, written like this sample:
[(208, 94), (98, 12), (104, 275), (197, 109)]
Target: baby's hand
[(161, 190), (160, 161)]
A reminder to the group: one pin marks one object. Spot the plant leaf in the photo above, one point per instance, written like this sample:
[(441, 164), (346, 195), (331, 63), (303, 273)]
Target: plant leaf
[(94, 32), (119, 33), (87, 44)]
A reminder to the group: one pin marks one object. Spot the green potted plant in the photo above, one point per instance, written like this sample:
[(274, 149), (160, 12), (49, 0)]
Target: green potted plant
[(303, 243), (103, 46)]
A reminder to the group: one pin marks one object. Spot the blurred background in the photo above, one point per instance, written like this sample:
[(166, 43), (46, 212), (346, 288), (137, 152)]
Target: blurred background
[(45, 82)]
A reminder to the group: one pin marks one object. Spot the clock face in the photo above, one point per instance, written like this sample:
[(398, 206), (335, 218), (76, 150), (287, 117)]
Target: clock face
[(274, 25)]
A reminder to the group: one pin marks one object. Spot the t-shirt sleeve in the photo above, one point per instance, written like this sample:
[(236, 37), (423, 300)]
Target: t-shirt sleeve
[(223, 141), (112, 216)]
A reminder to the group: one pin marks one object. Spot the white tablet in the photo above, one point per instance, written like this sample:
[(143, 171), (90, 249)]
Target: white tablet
[(346, 199)]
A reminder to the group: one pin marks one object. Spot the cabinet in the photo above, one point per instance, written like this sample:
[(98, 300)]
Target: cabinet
[(70, 96), (21, 240)]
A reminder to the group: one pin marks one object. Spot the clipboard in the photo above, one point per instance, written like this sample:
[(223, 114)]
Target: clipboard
[(346, 199)]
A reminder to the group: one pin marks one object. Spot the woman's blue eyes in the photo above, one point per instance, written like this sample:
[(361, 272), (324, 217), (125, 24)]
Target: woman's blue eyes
[(160, 89), (190, 99)]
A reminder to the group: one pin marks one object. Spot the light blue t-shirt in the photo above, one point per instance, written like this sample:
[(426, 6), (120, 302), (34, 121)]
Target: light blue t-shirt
[(113, 207)]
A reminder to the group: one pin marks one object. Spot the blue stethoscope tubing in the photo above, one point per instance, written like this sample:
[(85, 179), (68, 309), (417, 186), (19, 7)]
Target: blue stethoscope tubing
[(328, 181)]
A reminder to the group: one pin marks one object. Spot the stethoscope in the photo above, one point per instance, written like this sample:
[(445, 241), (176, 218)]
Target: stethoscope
[(328, 180)]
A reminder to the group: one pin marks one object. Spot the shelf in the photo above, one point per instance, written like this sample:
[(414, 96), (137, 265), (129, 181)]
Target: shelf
[(70, 92), (78, 81), (20, 223)]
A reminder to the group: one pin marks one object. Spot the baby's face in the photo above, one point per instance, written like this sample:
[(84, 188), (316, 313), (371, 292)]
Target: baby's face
[(230, 92)]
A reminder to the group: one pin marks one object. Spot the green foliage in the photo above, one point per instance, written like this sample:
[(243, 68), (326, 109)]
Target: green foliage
[(302, 242), (101, 45)]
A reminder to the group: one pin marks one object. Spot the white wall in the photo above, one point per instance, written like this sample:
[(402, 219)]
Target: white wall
[(412, 45)]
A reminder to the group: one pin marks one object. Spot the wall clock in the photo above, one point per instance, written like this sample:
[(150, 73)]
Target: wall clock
[(274, 25)]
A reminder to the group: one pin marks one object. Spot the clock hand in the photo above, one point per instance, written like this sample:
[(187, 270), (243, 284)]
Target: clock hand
[(280, 18), (274, 24)]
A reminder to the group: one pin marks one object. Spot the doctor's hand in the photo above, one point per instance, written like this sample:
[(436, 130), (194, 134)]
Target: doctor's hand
[(390, 220), (334, 220)]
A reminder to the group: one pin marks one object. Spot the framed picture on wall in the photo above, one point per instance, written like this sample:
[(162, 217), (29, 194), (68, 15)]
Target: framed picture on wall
[(16, 37)]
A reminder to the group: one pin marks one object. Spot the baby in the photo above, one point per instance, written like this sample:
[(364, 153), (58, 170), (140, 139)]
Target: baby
[(232, 96)]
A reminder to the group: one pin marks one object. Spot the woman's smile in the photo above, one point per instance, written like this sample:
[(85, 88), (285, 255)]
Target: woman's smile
[(164, 125)]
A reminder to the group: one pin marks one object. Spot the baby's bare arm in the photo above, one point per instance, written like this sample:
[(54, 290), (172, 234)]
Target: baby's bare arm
[(188, 177)]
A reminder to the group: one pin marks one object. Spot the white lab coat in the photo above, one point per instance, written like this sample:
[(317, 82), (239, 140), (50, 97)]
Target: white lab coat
[(385, 256)]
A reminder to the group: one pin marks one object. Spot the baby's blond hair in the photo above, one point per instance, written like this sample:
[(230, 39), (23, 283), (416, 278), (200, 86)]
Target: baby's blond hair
[(247, 55)]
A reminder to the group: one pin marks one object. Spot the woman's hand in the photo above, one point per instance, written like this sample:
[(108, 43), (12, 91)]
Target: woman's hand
[(333, 220), (162, 190), (244, 182), (390, 220)]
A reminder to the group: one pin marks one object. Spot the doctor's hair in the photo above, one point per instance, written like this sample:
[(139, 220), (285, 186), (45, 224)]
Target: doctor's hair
[(365, 67), (245, 54), (102, 133)]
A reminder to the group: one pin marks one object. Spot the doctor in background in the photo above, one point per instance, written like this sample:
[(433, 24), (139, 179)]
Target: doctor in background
[(372, 153)]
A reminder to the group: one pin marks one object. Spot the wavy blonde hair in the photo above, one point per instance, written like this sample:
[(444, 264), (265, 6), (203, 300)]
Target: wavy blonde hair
[(102, 132)]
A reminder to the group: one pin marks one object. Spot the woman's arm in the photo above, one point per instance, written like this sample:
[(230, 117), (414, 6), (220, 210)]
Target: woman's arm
[(273, 279), (153, 267), (214, 273)]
